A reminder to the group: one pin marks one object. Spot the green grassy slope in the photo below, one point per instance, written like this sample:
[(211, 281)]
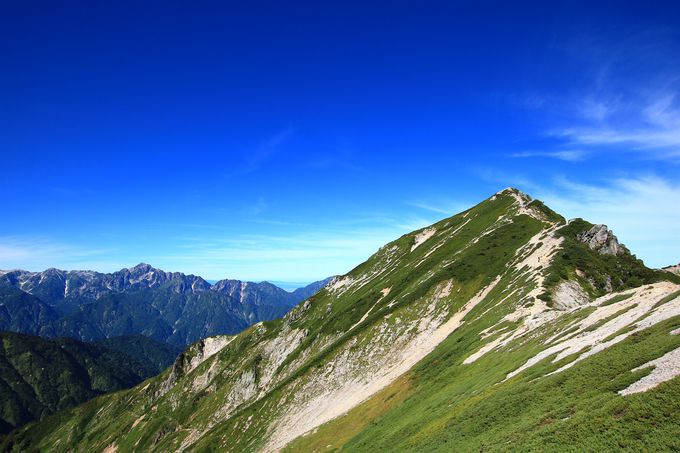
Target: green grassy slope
[(451, 406)]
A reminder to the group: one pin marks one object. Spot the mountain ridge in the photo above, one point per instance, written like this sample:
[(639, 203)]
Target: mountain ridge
[(94, 283), (167, 306)]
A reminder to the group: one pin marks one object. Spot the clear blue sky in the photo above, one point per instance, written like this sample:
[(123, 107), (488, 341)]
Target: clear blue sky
[(289, 140)]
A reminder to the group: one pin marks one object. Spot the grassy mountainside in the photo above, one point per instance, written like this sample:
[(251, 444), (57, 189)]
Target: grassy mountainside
[(153, 354), (443, 340), (39, 377)]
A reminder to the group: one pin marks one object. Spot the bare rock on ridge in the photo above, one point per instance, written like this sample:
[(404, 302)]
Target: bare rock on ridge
[(601, 239)]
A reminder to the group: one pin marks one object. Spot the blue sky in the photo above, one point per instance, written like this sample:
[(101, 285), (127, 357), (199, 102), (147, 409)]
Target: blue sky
[(289, 140)]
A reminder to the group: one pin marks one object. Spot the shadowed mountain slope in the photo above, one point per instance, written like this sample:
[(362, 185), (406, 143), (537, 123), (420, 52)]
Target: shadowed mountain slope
[(39, 377)]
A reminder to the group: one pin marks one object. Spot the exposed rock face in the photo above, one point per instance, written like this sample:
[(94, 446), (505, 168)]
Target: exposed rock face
[(195, 354), (673, 269), (568, 295), (602, 240)]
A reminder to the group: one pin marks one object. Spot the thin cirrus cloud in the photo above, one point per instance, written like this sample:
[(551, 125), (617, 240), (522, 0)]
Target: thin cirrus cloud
[(627, 102), (646, 129), (567, 155), (652, 128)]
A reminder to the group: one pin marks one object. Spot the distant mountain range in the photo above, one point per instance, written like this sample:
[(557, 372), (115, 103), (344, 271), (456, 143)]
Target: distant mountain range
[(168, 306), (39, 376)]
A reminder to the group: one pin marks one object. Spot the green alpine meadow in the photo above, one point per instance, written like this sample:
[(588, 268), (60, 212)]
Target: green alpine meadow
[(502, 328)]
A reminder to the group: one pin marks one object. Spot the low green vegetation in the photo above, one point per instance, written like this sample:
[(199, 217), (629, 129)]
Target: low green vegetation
[(621, 331), (459, 408), (606, 319), (615, 299), (154, 354), (667, 299)]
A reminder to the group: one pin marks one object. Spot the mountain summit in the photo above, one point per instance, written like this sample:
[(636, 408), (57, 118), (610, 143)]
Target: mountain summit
[(501, 328)]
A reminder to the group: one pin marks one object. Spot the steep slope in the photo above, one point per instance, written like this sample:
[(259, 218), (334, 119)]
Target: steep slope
[(39, 377), (167, 306), (422, 347), (153, 354)]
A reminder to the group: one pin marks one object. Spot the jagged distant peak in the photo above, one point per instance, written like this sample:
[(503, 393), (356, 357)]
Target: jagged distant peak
[(145, 267)]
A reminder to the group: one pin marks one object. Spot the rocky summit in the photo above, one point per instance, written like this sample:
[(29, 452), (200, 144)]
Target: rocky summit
[(502, 328)]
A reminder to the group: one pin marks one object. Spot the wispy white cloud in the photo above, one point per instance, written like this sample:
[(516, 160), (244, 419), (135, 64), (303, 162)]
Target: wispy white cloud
[(266, 150), (296, 254), (651, 129), (445, 208), (570, 155), (626, 101), (39, 252)]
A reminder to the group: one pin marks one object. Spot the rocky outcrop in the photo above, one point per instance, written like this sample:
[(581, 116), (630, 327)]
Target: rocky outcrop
[(601, 239), (568, 295), (673, 269), (194, 355)]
